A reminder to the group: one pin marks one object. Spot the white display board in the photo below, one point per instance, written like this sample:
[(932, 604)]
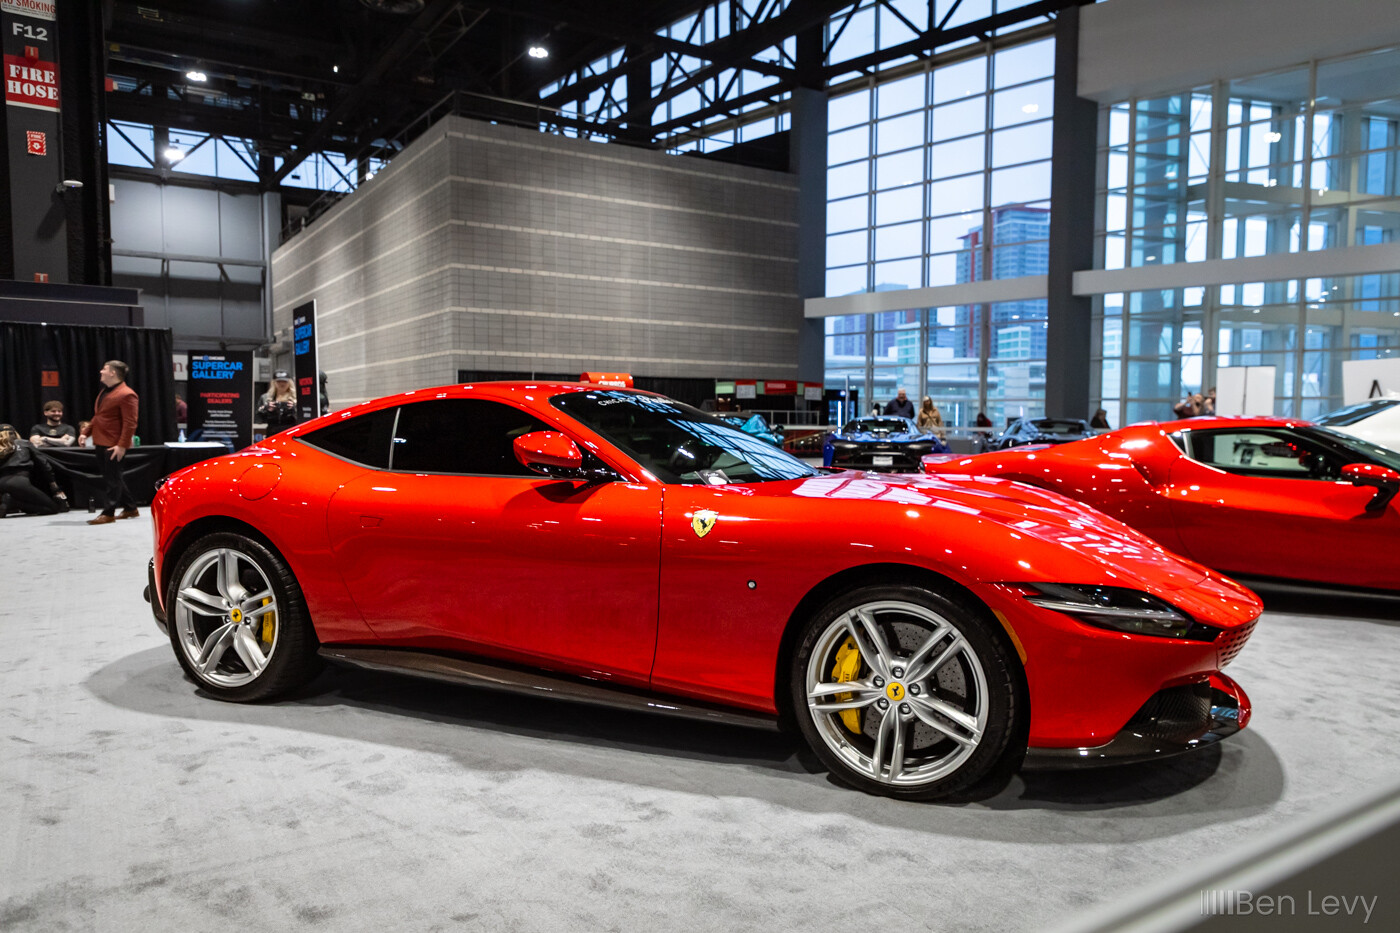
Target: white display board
[(1363, 379), (1244, 390)]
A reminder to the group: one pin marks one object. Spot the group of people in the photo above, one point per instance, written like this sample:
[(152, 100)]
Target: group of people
[(27, 478), (928, 419), (27, 481)]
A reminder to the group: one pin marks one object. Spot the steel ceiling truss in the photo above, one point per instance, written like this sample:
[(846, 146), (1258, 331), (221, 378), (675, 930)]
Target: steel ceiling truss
[(744, 63)]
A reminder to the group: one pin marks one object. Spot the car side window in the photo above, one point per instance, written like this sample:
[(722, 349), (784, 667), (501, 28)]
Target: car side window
[(1264, 453), (363, 439), (461, 435)]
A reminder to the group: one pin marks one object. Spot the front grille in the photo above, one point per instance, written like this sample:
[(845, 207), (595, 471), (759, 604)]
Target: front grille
[(1232, 640), (902, 461), (1177, 714)]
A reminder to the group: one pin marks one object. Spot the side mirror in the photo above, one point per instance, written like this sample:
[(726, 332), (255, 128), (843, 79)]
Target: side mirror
[(1384, 480), (549, 453)]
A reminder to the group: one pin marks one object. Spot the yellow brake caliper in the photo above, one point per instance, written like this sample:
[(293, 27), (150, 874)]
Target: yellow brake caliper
[(846, 669), (269, 626)]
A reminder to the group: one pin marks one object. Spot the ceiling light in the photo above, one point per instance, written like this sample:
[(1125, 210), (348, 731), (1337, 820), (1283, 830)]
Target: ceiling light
[(174, 154), (539, 51), (335, 69), (1275, 137), (1031, 108), (196, 75)]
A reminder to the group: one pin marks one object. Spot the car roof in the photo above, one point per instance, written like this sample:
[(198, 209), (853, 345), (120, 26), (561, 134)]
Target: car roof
[(1355, 414), (1231, 421), (493, 390)]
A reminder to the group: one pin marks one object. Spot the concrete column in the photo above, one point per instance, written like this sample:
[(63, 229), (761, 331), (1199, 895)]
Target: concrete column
[(807, 160), (1068, 332)]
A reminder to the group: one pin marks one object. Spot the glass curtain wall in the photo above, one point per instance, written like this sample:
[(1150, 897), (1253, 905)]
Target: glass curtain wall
[(939, 174), (1299, 160)]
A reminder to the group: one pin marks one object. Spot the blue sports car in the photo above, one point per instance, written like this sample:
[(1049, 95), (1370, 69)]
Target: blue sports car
[(880, 442)]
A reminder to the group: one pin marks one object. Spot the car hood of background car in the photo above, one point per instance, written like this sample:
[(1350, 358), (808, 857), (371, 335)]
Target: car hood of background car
[(871, 437), (1023, 510)]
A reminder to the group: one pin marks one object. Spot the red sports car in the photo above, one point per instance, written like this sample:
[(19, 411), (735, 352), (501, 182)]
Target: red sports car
[(1263, 497), (615, 546)]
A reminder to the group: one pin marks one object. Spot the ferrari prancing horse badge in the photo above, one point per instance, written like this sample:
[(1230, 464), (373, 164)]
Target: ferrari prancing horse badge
[(703, 521)]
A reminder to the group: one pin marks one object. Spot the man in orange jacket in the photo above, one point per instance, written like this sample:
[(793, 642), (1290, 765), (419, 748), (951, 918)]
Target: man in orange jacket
[(113, 424)]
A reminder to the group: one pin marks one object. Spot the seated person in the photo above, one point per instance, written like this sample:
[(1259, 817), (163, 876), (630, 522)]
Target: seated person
[(26, 479), (52, 432)]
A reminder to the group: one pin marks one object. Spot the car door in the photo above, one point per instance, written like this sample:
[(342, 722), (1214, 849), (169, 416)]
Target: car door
[(458, 546), (1269, 502)]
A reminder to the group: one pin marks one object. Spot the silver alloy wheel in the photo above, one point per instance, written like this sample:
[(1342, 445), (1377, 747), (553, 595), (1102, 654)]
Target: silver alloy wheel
[(221, 605), (920, 689)]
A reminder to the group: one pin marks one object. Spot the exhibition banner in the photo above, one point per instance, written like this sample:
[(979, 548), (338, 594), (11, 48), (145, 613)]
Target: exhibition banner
[(220, 399), (1366, 379), (1244, 390), (306, 370)]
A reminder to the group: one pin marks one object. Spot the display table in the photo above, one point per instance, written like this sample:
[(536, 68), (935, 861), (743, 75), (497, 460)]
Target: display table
[(80, 475)]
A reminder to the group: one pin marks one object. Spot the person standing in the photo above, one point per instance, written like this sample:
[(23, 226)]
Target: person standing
[(112, 427), (901, 405), (52, 432), (930, 420), (279, 406)]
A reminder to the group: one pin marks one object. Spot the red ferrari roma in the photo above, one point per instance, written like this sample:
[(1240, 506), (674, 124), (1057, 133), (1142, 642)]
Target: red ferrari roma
[(1262, 497), (614, 546)]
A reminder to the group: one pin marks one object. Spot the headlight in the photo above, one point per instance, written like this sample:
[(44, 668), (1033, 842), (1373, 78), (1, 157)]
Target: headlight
[(1120, 609)]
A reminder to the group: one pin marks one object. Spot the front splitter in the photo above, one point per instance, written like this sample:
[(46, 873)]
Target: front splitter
[(1229, 713)]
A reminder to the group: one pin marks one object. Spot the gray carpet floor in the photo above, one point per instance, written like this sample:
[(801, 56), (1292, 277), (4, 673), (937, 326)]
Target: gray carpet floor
[(130, 802)]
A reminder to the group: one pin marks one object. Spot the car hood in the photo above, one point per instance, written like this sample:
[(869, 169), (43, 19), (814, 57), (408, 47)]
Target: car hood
[(869, 437), (1025, 510)]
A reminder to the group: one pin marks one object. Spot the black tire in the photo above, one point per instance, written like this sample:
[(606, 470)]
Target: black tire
[(949, 727), (258, 646)]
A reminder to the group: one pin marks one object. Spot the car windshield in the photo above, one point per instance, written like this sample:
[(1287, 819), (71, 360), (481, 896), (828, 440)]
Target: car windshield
[(1358, 412), (1376, 454), (877, 426), (677, 443), (1060, 427)]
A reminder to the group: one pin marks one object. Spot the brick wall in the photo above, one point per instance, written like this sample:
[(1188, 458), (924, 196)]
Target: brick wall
[(495, 248)]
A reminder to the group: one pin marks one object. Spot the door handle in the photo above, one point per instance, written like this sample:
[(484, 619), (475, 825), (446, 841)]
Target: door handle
[(370, 521)]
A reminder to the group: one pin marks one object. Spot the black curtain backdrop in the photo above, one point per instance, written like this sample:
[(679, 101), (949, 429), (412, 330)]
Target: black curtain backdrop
[(77, 352)]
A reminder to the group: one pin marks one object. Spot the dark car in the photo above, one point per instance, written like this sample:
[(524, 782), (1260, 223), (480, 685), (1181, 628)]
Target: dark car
[(1025, 431), (880, 442)]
